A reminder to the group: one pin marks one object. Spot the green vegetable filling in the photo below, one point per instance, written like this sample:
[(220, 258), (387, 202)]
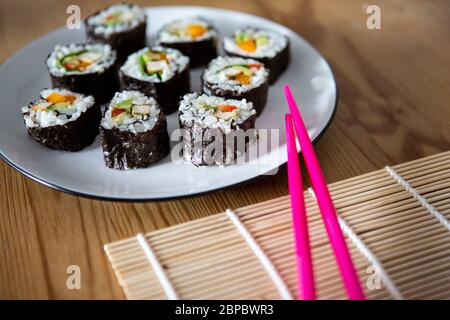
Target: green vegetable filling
[(261, 39), (125, 104), (58, 106), (125, 109), (245, 69), (114, 18), (70, 58), (152, 56)]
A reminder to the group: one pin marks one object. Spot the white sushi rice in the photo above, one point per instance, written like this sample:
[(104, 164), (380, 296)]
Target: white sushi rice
[(43, 118), (193, 110), (276, 43), (169, 32), (177, 63), (108, 57), (218, 79), (132, 123), (132, 16)]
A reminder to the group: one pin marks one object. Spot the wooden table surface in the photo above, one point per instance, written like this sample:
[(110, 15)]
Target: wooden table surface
[(393, 107)]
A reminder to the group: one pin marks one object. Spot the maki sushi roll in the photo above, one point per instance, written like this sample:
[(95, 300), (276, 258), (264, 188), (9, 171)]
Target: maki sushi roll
[(122, 26), (195, 37), (237, 78), (162, 73), (62, 119), (268, 47), (84, 68), (211, 126), (133, 132)]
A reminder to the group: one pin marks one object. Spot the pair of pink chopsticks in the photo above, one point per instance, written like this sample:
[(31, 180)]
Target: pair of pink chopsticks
[(306, 286)]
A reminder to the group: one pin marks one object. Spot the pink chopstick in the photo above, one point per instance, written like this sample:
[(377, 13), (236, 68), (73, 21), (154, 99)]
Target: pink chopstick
[(329, 216), (305, 275)]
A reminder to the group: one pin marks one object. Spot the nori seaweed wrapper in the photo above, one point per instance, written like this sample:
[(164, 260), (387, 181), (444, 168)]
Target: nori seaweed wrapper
[(199, 52), (101, 85), (124, 42), (194, 136), (72, 136), (257, 95), (167, 93), (128, 150), (276, 65)]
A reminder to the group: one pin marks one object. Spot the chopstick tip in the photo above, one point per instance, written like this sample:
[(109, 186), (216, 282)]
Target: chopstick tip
[(288, 117), (286, 87)]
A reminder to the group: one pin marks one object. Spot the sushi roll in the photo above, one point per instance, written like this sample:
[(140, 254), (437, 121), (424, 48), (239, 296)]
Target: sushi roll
[(85, 68), (195, 37), (205, 119), (162, 73), (122, 26), (268, 47), (237, 78), (62, 119), (133, 131)]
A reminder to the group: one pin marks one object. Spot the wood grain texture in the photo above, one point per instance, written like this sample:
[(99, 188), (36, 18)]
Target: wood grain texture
[(393, 88)]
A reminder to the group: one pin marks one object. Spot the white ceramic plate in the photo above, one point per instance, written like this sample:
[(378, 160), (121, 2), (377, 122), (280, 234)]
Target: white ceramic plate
[(84, 173)]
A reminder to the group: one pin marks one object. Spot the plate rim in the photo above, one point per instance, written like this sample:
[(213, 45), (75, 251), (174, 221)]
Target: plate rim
[(54, 186)]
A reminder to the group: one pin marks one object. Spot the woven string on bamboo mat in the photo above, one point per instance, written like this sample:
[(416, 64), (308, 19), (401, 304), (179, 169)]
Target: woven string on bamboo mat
[(396, 222)]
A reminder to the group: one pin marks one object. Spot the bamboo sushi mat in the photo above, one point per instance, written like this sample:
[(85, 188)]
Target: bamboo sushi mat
[(396, 222)]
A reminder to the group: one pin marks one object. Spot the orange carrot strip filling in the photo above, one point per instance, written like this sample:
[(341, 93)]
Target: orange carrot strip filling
[(248, 45), (196, 30), (116, 112), (226, 108), (255, 65), (36, 108), (55, 97), (243, 78)]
